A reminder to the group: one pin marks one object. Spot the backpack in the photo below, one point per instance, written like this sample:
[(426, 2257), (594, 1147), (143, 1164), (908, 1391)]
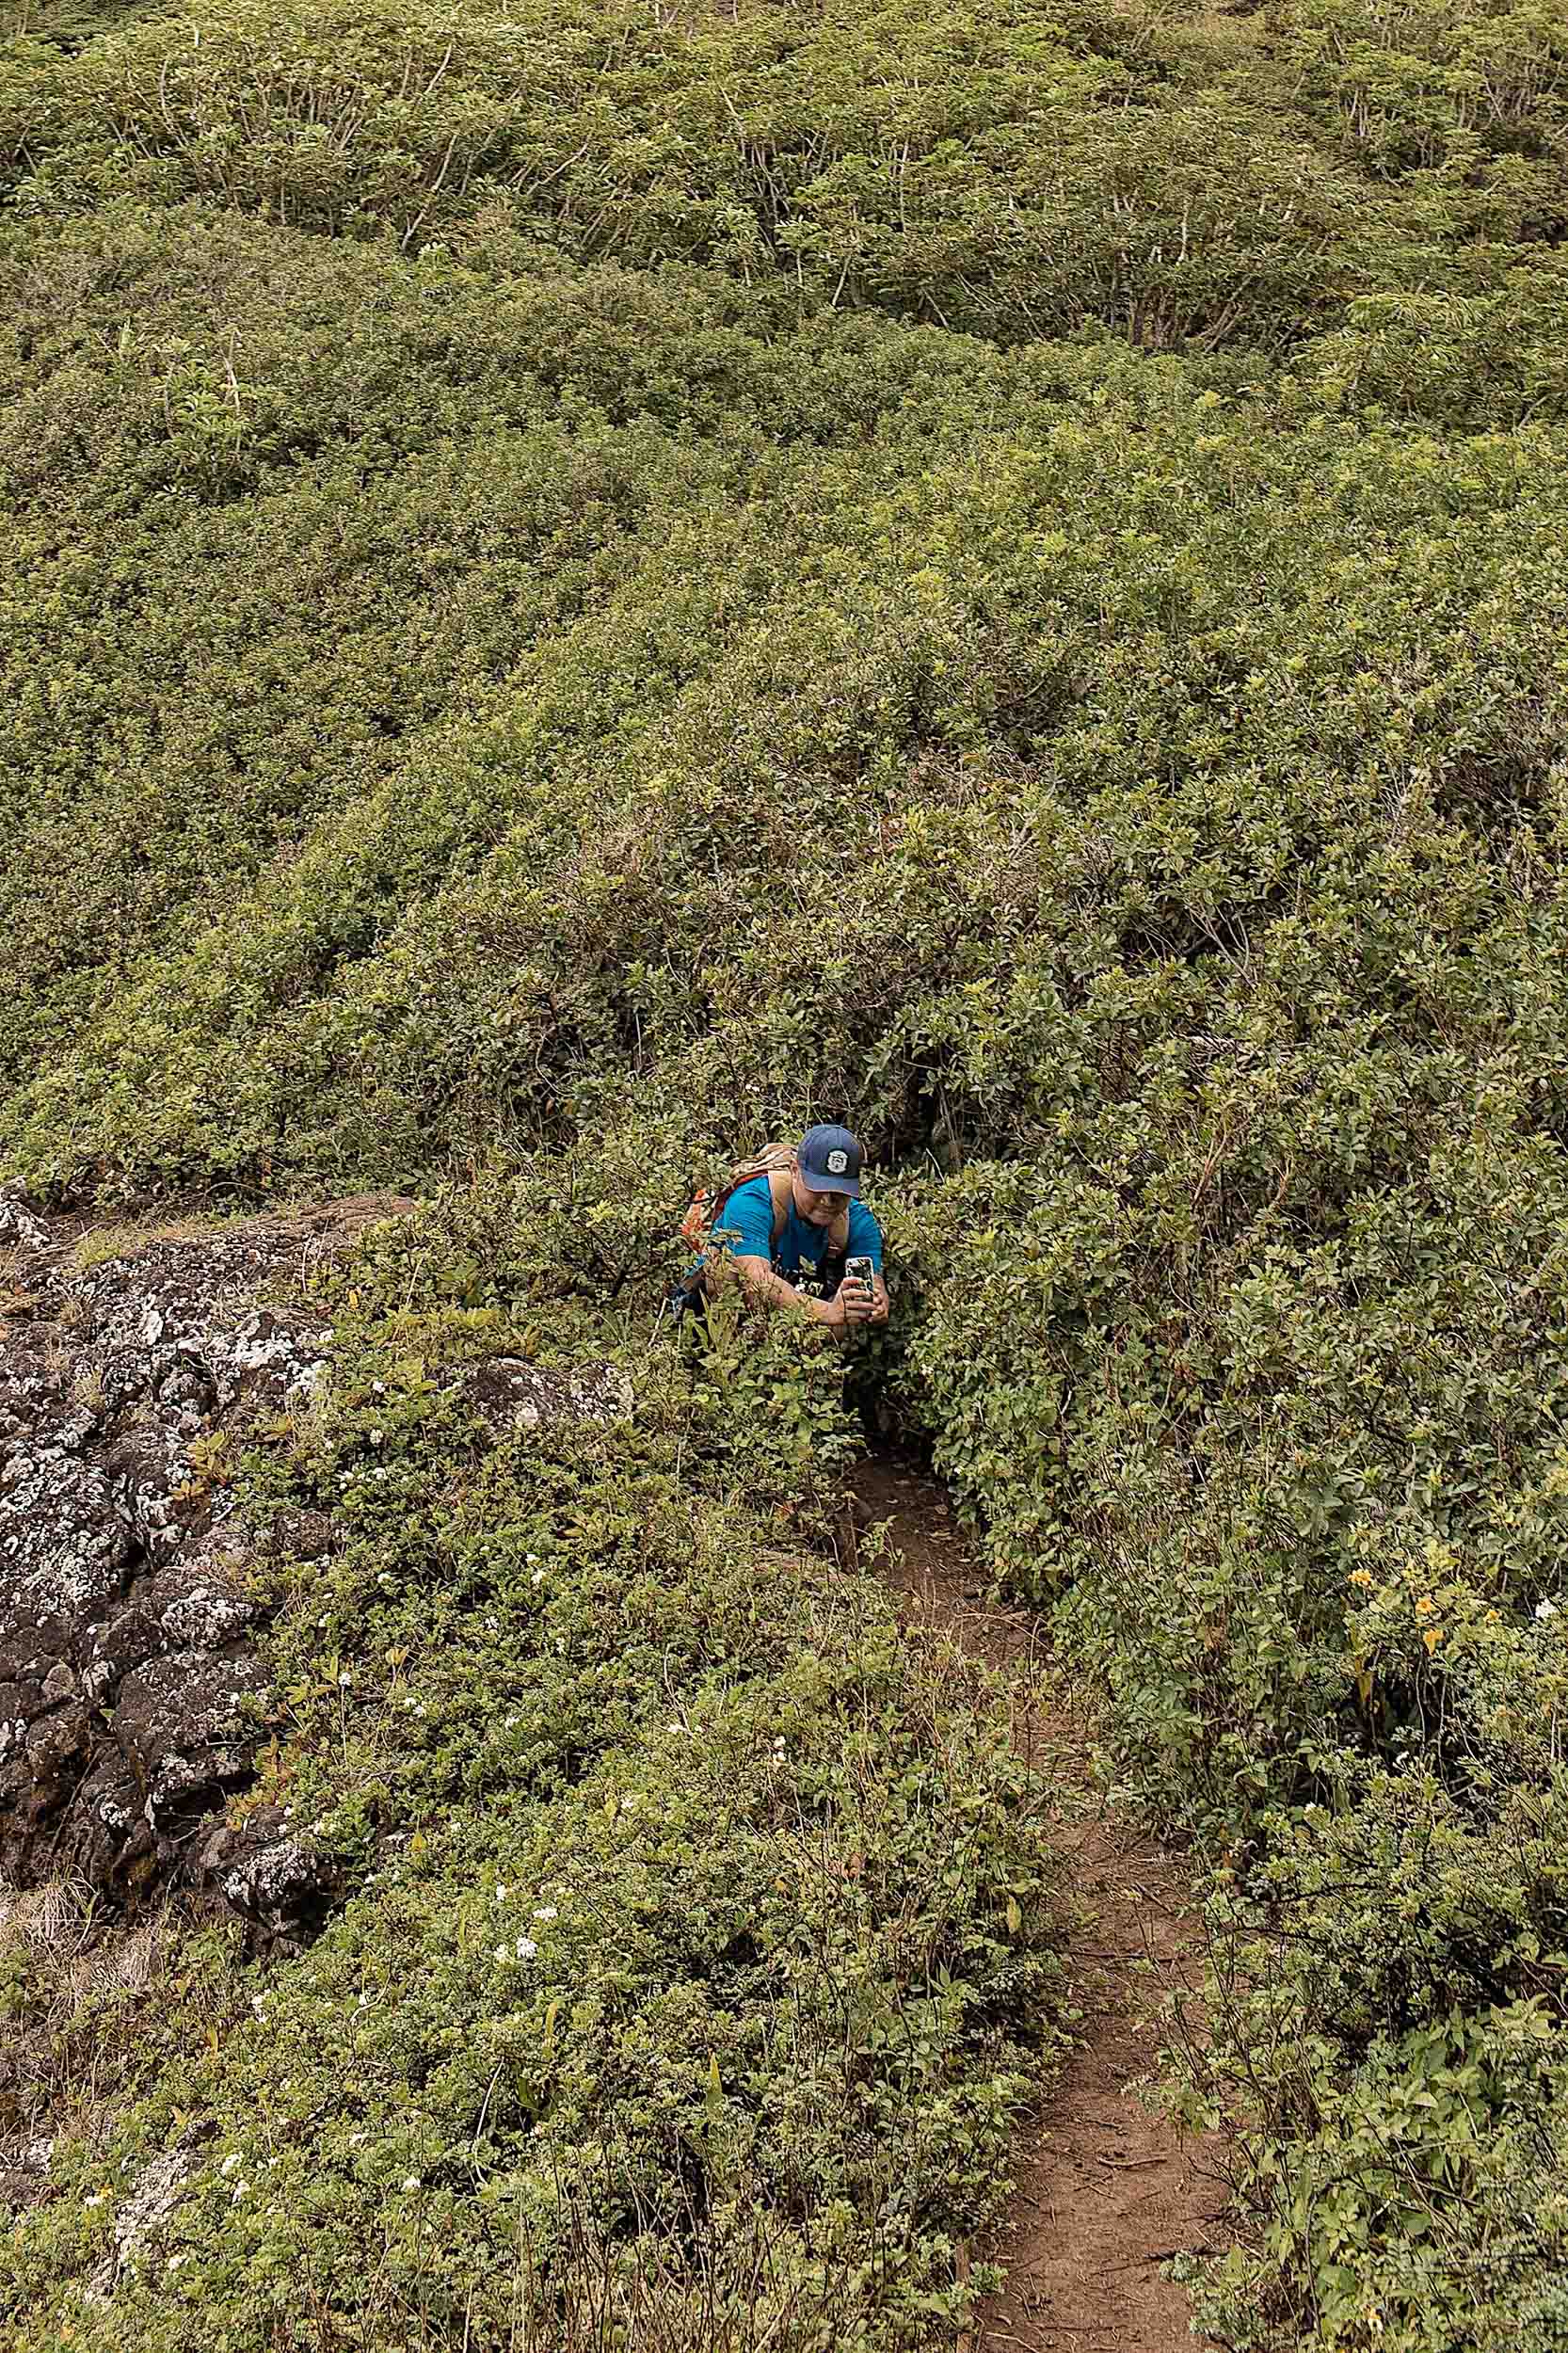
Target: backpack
[(706, 1213), (708, 1204)]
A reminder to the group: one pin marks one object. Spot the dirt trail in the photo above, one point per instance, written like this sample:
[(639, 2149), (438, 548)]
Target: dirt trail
[(1106, 2192)]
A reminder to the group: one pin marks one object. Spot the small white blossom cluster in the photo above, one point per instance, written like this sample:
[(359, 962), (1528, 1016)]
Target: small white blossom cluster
[(524, 1949), (541, 1912)]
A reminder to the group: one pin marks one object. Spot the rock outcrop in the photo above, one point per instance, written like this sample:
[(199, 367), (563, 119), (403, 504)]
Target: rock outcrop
[(508, 1394), (133, 1370), (127, 1388)]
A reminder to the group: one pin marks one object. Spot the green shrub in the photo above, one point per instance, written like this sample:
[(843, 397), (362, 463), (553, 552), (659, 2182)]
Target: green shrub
[(698, 1923), (582, 590)]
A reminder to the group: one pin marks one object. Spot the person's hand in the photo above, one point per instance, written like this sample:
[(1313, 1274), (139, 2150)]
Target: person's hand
[(834, 1312), (859, 1305)]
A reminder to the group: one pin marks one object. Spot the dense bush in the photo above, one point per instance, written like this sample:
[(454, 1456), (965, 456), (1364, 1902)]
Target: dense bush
[(700, 1928), (985, 170), (582, 587)]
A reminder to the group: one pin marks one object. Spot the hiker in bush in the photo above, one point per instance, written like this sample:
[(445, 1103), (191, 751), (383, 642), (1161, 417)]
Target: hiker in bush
[(799, 1236)]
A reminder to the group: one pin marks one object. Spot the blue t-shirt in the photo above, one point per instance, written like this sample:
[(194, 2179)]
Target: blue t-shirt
[(744, 1227)]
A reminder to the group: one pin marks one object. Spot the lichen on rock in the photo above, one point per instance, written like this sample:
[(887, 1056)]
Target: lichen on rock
[(132, 1693), (127, 1634)]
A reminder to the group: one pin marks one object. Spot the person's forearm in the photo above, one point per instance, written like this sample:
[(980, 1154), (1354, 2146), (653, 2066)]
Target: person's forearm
[(772, 1290)]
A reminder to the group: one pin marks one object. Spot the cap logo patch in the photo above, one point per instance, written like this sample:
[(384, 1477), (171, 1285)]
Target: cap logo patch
[(836, 1163)]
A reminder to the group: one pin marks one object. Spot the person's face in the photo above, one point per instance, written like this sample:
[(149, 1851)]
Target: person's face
[(817, 1209)]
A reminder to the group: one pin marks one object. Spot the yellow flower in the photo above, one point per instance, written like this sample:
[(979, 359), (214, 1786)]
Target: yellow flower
[(1360, 1577)]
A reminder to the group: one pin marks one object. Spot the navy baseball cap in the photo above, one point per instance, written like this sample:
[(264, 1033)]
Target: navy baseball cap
[(829, 1162)]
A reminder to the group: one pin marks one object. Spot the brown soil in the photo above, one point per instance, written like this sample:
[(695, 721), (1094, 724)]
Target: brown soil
[(1106, 2191)]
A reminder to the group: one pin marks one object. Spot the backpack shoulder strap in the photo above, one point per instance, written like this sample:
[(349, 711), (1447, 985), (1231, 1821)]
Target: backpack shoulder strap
[(779, 1190)]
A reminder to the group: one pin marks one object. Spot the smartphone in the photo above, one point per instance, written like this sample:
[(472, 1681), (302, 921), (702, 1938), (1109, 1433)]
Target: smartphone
[(861, 1271)]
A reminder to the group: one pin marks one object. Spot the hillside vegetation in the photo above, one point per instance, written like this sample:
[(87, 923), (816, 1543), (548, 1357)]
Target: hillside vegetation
[(583, 584)]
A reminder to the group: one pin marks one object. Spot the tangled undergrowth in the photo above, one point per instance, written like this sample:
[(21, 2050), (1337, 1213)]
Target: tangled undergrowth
[(583, 587), (698, 1948)]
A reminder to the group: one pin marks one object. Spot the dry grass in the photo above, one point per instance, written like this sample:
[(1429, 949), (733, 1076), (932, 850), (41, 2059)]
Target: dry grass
[(320, 1228), (129, 1238), (63, 1968)]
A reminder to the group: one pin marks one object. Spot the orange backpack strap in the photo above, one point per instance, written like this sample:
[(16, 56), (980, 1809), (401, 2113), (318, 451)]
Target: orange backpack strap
[(779, 1194)]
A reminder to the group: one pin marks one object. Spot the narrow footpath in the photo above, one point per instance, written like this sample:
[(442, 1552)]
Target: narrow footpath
[(1106, 2191)]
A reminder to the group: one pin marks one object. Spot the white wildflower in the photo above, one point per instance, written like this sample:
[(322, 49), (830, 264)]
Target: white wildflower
[(1544, 1609), (410, 2181), (230, 2165), (545, 1912), (526, 1948)]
